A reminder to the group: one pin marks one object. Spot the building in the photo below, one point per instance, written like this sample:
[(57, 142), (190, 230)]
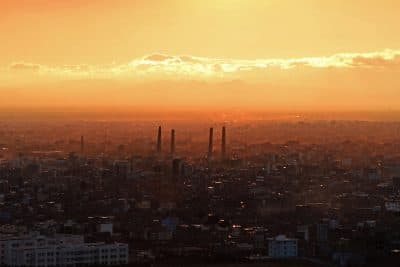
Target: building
[(105, 228), (396, 183), (35, 250), (210, 144), (122, 168), (322, 232), (392, 206), (282, 247)]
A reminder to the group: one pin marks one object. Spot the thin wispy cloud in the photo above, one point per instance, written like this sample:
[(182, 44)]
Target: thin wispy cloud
[(191, 66)]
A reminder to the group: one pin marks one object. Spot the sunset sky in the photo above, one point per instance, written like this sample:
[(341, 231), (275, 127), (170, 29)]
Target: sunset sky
[(256, 54)]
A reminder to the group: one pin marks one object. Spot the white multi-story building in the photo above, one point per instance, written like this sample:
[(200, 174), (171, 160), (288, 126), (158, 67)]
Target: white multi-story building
[(60, 250), (282, 247), (393, 206)]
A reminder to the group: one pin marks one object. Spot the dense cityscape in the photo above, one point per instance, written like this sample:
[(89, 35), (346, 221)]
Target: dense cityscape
[(199, 133), (142, 193)]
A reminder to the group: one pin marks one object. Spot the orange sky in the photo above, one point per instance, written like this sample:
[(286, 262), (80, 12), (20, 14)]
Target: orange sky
[(304, 54)]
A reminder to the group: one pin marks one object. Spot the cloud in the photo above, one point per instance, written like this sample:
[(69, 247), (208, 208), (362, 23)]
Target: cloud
[(157, 57), (24, 66), (377, 61), (161, 65), (190, 59)]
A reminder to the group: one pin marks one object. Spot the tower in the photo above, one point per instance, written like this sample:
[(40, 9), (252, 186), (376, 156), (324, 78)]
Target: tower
[(105, 140), (223, 143), (82, 144), (210, 144), (172, 141), (159, 140)]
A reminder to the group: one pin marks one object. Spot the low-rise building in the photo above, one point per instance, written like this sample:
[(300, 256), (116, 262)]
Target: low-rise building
[(282, 247), (35, 250)]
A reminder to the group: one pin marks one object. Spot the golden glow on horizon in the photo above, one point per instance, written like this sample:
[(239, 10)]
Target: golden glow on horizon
[(280, 53)]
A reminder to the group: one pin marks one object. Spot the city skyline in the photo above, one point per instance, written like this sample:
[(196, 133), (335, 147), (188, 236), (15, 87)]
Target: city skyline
[(215, 133)]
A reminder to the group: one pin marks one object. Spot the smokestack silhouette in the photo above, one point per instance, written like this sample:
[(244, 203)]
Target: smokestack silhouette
[(210, 143), (105, 140), (82, 144), (159, 140), (172, 141), (223, 143)]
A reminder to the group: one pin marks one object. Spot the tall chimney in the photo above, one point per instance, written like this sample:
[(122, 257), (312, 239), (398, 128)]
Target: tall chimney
[(223, 143), (210, 144), (105, 140), (159, 140), (82, 144), (172, 141)]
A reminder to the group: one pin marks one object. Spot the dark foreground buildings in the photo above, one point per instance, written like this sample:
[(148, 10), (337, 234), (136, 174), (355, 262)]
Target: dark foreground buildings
[(327, 194)]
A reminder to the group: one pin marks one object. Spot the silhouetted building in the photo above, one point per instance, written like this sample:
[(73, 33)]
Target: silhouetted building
[(159, 140), (396, 183), (210, 144), (122, 168), (223, 143), (172, 141), (82, 145), (176, 166)]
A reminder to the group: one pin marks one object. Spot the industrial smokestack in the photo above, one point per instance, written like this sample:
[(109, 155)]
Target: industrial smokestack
[(210, 144), (82, 145), (159, 140), (223, 143), (172, 141), (105, 140)]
